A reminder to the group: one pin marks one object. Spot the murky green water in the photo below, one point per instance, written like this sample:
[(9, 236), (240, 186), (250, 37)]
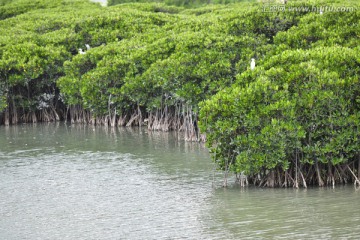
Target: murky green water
[(62, 182)]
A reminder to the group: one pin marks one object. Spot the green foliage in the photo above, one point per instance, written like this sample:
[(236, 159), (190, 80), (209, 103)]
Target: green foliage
[(181, 58), (182, 3), (3, 97), (301, 101), (297, 103)]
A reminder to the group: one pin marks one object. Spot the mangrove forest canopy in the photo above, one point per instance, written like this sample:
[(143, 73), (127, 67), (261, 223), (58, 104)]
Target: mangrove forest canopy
[(294, 120)]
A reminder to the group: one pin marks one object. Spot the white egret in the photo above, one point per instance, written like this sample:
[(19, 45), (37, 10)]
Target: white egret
[(81, 51), (252, 64), (87, 46)]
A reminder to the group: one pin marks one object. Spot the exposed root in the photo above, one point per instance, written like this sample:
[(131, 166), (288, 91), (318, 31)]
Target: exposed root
[(356, 182), (335, 174)]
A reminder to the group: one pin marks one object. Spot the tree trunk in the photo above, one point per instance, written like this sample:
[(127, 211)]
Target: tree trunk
[(359, 166), (356, 179), (303, 179), (320, 181), (7, 117), (271, 179)]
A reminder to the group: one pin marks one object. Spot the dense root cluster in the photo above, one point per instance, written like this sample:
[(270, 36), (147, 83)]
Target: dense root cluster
[(180, 119), (304, 175)]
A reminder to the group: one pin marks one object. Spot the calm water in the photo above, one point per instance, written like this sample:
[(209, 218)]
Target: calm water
[(63, 182)]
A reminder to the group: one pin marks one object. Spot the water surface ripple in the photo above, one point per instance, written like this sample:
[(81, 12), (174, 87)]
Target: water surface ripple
[(79, 182)]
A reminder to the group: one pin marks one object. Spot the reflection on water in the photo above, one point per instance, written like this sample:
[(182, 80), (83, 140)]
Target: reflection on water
[(288, 213), (81, 182)]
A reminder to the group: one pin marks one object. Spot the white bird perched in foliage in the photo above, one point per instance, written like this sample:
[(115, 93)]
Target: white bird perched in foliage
[(252, 64), (87, 46), (81, 51)]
